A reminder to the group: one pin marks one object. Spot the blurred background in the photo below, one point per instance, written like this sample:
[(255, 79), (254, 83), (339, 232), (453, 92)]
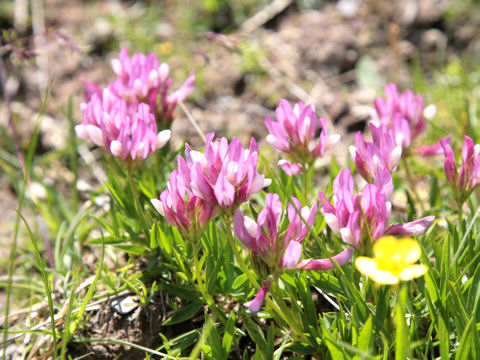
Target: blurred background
[(248, 54)]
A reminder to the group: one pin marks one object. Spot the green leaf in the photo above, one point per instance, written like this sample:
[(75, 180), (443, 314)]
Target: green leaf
[(229, 333), (383, 306), (183, 341), (239, 282), (334, 348), (46, 282), (256, 333), (270, 343), (185, 313), (300, 348), (473, 301), (307, 301), (365, 339), (443, 333), (181, 291), (355, 297), (463, 351), (214, 341)]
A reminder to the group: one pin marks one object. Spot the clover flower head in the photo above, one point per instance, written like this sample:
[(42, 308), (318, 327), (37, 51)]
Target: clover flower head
[(407, 116), (382, 153), (141, 78), (362, 217), (263, 236), (404, 112), (127, 131), (462, 182), (274, 251), (293, 134), (394, 261), (182, 209), (225, 174)]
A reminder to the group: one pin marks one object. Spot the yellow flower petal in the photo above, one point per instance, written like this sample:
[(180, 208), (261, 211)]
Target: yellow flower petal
[(389, 248), (393, 261), (384, 277), (413, 272), (366, 265)]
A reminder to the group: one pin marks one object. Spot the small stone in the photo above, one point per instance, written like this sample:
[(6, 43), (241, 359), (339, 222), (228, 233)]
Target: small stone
[(124, 305)]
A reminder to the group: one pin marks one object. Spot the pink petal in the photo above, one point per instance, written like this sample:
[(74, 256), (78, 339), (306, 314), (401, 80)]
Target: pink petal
[(255, 304), (326, 264), (416, 227), (292, 255)]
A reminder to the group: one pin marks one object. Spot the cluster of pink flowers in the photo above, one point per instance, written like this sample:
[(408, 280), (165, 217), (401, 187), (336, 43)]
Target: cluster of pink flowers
[(263, 237), (126, 115), (399, 119), (273, 251), (225, 174), (125, 131), (465, 181), (293, 134), (142, 79), (403, 113), (215, 181), (181, 208), (382, 153), (361, 218)]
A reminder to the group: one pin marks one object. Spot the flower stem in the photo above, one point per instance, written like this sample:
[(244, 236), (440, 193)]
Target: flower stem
[(238, 256), (401, 334), (292, 320), (138, 207), (280, 312), (412, 184), (460, 212), (203, 290), (305, 182)]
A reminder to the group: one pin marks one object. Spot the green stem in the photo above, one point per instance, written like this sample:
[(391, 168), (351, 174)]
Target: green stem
[(460, 213), (289, 317), (238, 256), (305, 182), (203, 290), (412, 184), (11, 268), (281, 313), (401, 334), (136, 198)]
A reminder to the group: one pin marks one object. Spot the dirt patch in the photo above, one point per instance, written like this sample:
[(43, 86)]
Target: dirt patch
[(141, 326)]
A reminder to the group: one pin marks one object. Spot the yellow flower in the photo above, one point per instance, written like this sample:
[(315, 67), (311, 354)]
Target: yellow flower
[(393, 261)]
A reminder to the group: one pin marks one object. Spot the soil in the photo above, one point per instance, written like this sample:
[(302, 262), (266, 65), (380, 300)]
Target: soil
[(311, 55)]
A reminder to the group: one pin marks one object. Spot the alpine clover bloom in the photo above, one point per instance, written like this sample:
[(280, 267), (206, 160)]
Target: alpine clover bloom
[(224, 175), (181, 208), (361, 218), (383, 152), (394, 260), (263, 237), (293, 134), (124, 117), (405, 114), (462, 182), (273, 250), (127, 131), (141, 78)]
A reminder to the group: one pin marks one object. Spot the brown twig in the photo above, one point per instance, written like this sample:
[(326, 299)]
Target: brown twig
[(192, 119), (265, 15)]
